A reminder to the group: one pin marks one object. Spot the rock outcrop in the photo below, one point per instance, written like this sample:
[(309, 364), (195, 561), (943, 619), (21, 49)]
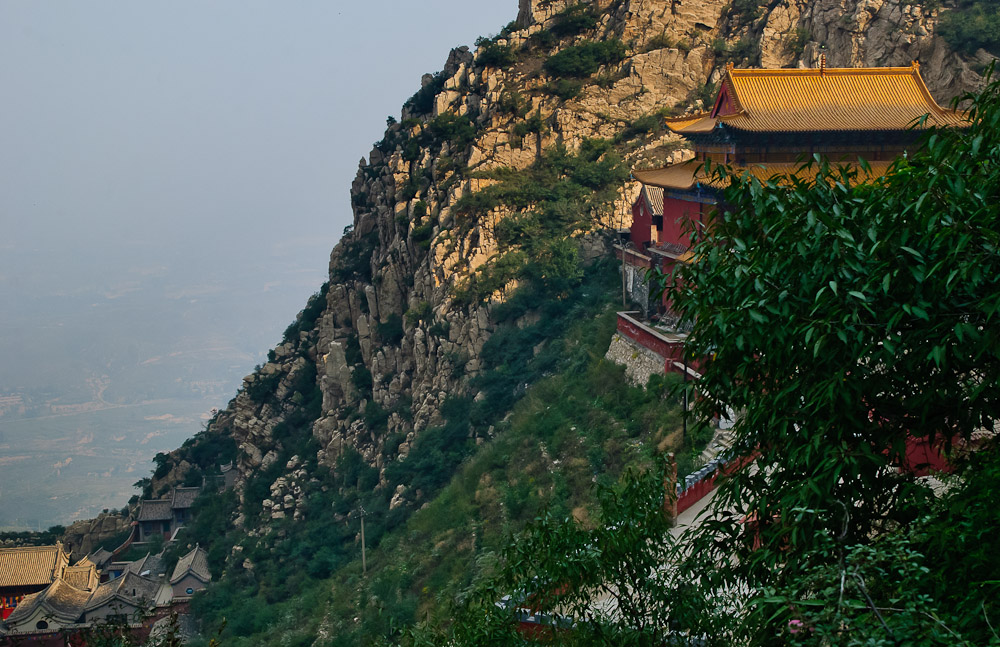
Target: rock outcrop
[(389, 339), (84, 537)]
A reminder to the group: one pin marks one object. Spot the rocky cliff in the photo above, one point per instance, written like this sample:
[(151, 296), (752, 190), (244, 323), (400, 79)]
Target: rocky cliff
[(401, 324), (503, 176)]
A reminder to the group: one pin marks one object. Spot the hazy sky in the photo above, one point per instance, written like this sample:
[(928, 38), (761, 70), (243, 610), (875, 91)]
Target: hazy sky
[(208, 144), (174, 176), (228, 126)]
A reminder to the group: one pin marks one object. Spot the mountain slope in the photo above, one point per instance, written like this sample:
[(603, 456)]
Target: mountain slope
[(470, 273)]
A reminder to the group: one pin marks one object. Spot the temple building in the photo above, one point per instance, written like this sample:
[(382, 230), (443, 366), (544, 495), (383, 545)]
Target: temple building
[(27, 570), (191, 574), (163, 517), (763, 123), (76, 598)]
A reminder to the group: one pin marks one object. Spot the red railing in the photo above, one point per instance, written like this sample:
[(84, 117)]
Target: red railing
[(705, 478)]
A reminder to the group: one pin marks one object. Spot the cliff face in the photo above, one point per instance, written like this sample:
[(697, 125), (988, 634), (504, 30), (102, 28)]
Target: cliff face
[(394, 333)]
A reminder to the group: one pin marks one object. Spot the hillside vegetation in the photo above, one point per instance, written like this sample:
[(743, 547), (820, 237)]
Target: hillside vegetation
[(447, 383)]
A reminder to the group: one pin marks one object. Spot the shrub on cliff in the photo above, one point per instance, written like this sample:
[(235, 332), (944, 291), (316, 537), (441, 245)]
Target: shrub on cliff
[(574, 20), (972, 25), (494, 54), (579, 61)]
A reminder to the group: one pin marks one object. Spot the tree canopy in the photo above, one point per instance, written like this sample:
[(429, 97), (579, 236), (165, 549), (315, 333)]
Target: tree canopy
[(841, 318)]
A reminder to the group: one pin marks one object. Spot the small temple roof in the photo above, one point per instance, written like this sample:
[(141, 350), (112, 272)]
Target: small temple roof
[(155, 510), (81, 576), (654, 199), (149, 564), (195, 563), (821, 100), (686, 175), (129, 587), (31, 565), (60, 600), (183, 497), (100, 557)]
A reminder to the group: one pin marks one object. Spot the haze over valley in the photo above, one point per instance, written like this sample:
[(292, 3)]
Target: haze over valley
[(174, 182)]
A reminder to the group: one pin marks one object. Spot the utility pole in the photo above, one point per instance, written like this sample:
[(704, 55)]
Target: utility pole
[(684, 433), (623, 271), (364, 563)]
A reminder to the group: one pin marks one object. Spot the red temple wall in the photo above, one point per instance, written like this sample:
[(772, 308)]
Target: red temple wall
[(640, 232)]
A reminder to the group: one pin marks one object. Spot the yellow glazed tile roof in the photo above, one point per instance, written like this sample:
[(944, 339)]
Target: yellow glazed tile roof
[(685, 175), (824, 100), (31, 566)]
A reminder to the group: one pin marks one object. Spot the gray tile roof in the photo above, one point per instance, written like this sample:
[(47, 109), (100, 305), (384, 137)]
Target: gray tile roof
[(155, 510), (129, 588), (60, 600), (195, 563), (100, 557), (654, 198), (183, 497)]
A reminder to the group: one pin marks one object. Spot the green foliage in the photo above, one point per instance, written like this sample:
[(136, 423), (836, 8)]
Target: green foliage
[(423, 234), (580, 61), (565, 89), (361, 378), (573, 20), (211, 520), (933, 582), (163, 464), (542, 39), (660, 41), (746, 11), (706, 94), (263, 386), (355, 263), (797, 40), (422, 102), (533, 124), (844, 317), (462, 499), (647, 125), (493, 54), (559, 195), (390, 331), (420, 312), (972, 25), (559, 564), (437, 451), (306, 320), (513, 103), (456, 129), (744, 50), (34, 538), (411, 189)]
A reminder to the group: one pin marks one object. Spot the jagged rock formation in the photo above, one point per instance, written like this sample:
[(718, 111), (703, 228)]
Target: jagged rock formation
[(868, 33), (390, 336), (84, 537)]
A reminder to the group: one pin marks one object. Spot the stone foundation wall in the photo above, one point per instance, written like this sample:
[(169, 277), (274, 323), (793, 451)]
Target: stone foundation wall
[(639, 362)]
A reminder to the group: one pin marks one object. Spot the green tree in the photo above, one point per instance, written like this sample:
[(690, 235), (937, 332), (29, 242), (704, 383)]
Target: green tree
[(842, 317), (606, 585)]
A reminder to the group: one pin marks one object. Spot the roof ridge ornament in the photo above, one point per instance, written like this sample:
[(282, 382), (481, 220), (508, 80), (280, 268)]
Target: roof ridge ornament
[(822, 64)]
